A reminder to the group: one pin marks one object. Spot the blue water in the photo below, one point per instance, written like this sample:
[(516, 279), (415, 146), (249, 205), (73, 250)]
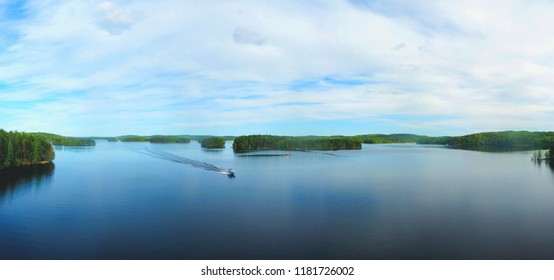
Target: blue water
[(404, 201)]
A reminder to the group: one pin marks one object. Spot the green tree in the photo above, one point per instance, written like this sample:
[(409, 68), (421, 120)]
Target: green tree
[(9, 155), (168, 139), (37, 150), (213, 143), (17, 148), (270, 142)]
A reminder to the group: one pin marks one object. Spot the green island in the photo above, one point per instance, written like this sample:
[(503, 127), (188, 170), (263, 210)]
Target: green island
[(502, 139), (168, 139), (19, 148), (59, 140), (132, 138), (486, 141), (199, 138), (390, 138), (270, 142), (162, 139), (213, 143), (403, 138)]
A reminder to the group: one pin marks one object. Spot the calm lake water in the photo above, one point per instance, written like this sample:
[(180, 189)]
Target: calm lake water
[(401, 201)]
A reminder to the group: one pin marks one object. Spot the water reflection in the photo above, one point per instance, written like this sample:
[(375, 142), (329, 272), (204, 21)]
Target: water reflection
[(551, 165), (74, 148), (262, 155), (17, 179), (494, 149), (209, 150)]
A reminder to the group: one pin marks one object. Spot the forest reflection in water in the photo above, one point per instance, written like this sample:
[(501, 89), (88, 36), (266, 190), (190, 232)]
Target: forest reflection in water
[(19, 179), (546, 163)]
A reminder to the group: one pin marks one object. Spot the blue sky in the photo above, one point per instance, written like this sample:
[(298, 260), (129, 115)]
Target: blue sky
[(287, 67)]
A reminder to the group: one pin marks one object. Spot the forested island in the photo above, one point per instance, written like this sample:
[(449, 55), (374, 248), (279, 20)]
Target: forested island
[(132, 138), (482, 141), (403, 138), (168, 139), (270, 142), (213, 143), (390, 138), (199, 138), (501, 139), (59, 140), (152, 139), (19, 148)]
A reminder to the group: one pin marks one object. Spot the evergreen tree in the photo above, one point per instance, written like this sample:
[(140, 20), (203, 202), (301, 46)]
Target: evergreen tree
[(9, 155), (17, 148), (37, 150)]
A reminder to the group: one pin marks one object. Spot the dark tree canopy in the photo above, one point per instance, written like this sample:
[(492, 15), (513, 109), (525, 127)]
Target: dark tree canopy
[(213, 143), (59, 140), (270, 142), (168, 139), (160, 139), (18, 148), (502, 139), (132, 138), (390, 138)]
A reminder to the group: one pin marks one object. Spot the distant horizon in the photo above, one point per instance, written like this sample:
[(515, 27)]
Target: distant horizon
[(237, 135), (286, 68)]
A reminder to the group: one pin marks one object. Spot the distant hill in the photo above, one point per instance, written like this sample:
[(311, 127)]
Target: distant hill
[(199, 138), (162, 138), (503, 139), (391, 138), (500, 139)]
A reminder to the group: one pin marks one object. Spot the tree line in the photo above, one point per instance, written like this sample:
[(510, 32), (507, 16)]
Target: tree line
[(59, 140), (19, 148), (270, 142), (501, 139), (213, 143), (390, 138), (168, 139), (484, 140), (132, 138), (152, 139), (402, 138)]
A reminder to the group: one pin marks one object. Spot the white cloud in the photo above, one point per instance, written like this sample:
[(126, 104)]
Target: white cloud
[(113, 18), (246, 36), (399, 46), (194, 63)]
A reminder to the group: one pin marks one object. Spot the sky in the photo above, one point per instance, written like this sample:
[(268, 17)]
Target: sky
[(108, 68)]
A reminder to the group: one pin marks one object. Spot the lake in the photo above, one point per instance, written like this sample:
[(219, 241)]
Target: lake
[(395, 201)]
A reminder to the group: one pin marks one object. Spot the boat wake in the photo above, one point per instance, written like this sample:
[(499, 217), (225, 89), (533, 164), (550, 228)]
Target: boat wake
[(191, 162), (320, 152)]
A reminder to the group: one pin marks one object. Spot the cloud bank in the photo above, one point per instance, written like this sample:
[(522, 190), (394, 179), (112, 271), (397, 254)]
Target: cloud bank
[(323, 67)]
